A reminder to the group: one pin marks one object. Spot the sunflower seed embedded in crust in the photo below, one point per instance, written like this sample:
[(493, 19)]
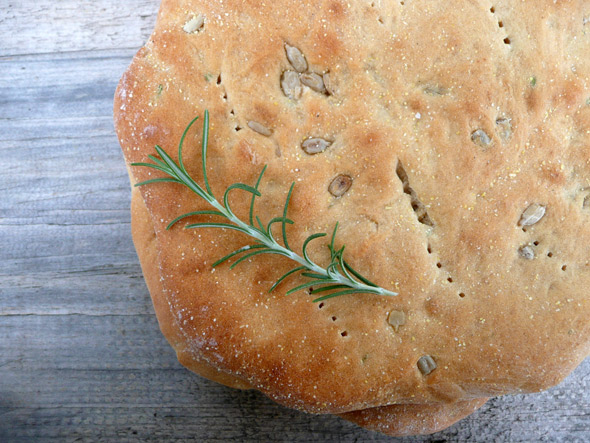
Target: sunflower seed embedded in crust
[(504, 128), (291, 85), (532, 215), (328, 83), (313, 81), (194, 24), (315, 145), (296, 58), (481, 138), (396, 319), (340, 185), (586, 204), (426, 364), (526, 252), (257, 127), (435, 91)]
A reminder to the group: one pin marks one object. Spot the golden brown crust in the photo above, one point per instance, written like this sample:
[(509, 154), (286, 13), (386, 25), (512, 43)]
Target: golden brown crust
[(482, 127), (144, 239)]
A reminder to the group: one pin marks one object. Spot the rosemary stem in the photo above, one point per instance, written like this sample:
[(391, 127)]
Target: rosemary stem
[(273, 244), (329, 279)]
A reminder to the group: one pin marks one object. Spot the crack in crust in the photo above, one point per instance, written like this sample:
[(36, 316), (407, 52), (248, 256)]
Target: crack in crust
[(418, 207)]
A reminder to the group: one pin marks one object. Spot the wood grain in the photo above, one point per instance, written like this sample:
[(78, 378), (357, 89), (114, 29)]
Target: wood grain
[(49, 26), (81, 355)]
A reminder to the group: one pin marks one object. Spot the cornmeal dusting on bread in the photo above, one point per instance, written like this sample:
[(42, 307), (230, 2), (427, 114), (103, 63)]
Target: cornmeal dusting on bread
[(464, 131)]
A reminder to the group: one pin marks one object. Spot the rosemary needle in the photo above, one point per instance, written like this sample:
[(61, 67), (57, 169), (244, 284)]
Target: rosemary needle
[(337, 278)]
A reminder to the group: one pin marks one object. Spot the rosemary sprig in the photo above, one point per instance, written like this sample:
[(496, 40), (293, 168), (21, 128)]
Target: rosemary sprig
[(338, 278)]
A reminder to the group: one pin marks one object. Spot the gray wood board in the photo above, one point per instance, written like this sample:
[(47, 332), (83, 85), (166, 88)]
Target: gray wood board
[(81, 355)]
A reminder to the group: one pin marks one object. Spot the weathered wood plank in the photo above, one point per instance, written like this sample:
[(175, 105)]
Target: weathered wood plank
[(75, 85), (65, 189), (224, 414), (41, 26), (181, 424)]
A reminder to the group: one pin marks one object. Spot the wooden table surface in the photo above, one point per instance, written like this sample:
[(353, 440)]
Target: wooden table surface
[(81, 355)]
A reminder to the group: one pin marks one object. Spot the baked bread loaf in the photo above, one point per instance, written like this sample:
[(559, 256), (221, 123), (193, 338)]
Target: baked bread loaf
[(451, 142)]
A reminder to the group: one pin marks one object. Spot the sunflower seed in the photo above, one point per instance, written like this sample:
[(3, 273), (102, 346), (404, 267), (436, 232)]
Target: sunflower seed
[(296, 58), (328, 83), (194, 24), (504, 128), (315, 145), (481, 138), (426, 364), (532, 215), (396, 319), (434, 90), (291, 85), (257, 127), (527, 252), (586, 203), (340, 185), (314, 81)]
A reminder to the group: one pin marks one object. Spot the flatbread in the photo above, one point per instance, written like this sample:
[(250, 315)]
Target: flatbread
[(464, 134)]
